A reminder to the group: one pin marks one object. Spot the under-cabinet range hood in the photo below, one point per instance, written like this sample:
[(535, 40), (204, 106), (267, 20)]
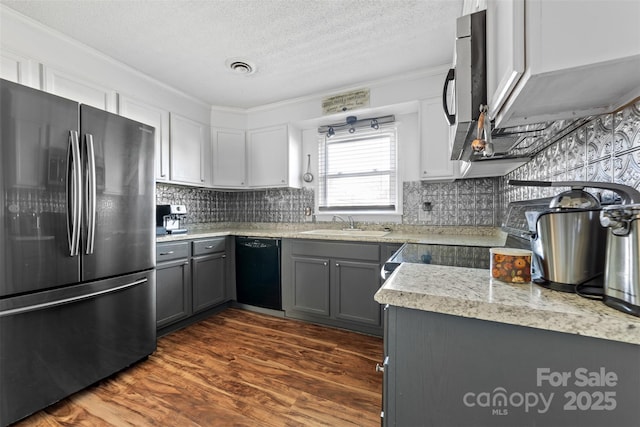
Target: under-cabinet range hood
[(517, 142)]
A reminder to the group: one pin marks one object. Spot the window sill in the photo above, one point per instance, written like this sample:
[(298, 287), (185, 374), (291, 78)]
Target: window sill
[(382, 217)]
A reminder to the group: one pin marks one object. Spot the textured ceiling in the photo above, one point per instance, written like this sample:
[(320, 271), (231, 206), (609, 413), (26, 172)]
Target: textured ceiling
[(300, 47)]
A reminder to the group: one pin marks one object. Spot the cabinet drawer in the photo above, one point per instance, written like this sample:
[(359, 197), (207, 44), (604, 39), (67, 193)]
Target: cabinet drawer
[(209, 246), (170, 251), (357, 251)]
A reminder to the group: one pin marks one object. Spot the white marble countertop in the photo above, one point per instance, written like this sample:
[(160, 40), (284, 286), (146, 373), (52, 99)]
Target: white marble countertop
[(472, 293), (458, 236)]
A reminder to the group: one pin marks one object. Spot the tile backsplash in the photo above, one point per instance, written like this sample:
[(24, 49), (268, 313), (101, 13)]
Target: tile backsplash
[(606, 148), (466, 202), (205, 205)]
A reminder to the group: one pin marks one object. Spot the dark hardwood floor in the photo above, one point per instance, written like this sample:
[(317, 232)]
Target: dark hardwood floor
[(237, 368)]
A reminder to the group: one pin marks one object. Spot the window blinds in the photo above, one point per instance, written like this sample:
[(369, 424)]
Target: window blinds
[(358, 171)]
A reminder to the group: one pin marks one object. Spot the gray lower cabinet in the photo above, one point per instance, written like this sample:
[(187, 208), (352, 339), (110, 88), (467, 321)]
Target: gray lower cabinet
[(332, 283), (356, 282), (191, 277), (310, 285), (208, 281), (173, 282), (444, 370)]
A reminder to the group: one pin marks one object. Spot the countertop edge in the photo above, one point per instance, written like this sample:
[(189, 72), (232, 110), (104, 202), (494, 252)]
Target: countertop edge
[(463, 239), (581, 317)]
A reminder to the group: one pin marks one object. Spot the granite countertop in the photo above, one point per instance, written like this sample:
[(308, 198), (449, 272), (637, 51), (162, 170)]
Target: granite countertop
[(458, 236), (470, 292)]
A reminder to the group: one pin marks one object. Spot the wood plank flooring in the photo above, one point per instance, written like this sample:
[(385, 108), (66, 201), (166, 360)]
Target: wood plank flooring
[(237, 368)]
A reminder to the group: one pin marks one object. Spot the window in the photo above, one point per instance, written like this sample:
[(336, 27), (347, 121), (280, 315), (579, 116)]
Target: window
[(357, 171)]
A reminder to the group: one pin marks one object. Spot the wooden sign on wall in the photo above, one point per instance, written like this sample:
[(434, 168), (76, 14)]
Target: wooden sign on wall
[(345, 101)]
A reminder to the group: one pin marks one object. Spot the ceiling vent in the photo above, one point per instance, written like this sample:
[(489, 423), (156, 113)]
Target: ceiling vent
[(241, 66)]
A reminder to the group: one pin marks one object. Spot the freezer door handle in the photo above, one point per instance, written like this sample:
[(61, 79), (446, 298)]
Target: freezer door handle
[(91, 193), (70, 300), (74, 194)]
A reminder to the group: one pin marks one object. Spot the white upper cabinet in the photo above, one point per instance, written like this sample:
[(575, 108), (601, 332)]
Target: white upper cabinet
[(189, 151), (229, 158), (505, 49), (273, 157), (549, 60), (83, 91), (435, 161), (17, 68), (159, 119)]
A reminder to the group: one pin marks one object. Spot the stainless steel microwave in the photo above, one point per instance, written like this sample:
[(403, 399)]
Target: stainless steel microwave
[(465, 88)]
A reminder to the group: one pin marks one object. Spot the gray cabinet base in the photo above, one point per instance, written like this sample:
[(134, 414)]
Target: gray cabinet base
[(451, 371)]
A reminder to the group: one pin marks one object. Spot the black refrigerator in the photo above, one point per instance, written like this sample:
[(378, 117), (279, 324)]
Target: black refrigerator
[(77, 247)]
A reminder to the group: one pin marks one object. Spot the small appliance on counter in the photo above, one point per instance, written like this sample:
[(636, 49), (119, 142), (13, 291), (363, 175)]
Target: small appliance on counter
[(622, 264), (170, 219), (568, 242)]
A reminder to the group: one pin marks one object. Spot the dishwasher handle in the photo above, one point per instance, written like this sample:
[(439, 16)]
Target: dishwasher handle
[(257, 242)]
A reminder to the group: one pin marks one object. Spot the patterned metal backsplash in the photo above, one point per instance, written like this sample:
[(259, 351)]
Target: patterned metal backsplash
[(467, 202), (606, 148), (204, 205)]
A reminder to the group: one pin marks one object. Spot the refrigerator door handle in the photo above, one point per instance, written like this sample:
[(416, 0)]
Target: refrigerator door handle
[(74, 194), (44, 305), (91, 193)]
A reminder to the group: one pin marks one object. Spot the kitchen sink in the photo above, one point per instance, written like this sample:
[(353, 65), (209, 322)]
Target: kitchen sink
[(347, 232)]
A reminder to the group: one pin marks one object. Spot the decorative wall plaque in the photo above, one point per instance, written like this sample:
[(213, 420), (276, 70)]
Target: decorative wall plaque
[(345, 101)]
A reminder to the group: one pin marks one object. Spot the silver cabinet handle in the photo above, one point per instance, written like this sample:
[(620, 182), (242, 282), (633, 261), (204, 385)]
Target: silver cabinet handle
[(379, 367), (208, 247), (337, 264), (224, 256), (324, 263), (91, 194), (166, 253)]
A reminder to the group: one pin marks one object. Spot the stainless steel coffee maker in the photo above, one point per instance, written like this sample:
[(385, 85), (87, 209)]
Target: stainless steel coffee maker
[(568, 242), (170, 219), (622, 266)]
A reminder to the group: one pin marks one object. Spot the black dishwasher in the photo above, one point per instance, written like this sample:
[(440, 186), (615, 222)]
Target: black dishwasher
[(258, 272)]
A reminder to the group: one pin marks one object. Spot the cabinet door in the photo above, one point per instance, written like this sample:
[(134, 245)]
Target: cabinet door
[(268, 157), (16, 68), (173, 296), (188, 151), (581, 58), (355, 284), (505, 50), (229, 158), (311, 282), (388, 378), (159, 119), (80, 90), (435, 159), (209, 275)]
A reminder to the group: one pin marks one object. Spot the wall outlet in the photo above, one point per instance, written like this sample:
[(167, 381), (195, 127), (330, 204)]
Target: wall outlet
[(425, 213)]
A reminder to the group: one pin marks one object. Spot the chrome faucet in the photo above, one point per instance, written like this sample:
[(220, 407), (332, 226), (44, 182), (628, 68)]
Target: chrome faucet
[(350, 221)]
